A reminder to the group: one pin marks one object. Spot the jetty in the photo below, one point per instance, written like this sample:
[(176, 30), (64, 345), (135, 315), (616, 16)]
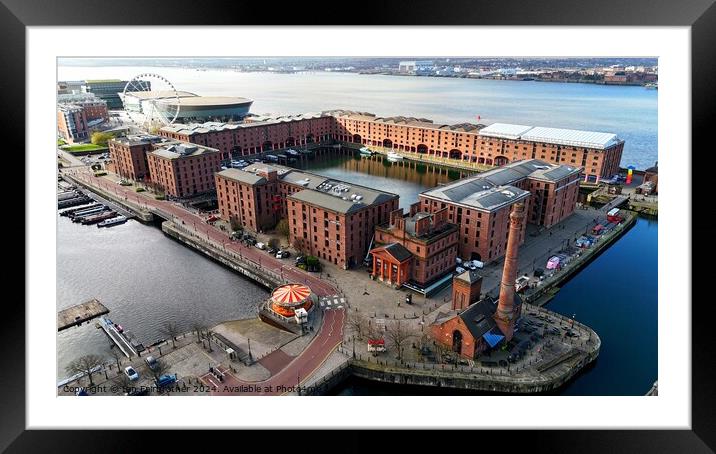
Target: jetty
[(124, 344), (80, 313)]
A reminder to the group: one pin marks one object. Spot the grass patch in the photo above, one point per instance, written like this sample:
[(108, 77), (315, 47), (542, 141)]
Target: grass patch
[(61, 142), (84, 147)]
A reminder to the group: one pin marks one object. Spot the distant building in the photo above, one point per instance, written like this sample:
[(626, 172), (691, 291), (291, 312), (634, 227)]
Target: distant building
[(189, 107), (69, 87), (415, 66), (183, 170), (109, 90), (72, 123), (95, 109), (652, 175), (417, 248)]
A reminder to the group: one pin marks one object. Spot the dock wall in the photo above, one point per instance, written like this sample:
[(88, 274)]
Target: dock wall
[(577, 264), (141, 215), (249, 270)]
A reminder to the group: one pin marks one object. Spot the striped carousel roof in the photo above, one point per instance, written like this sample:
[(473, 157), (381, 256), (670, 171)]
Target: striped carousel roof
[(291, 294)]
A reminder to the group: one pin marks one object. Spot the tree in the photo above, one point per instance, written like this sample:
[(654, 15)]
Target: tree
[(160, 368), (198, 326), (84, 365), (123, 382), (235, 224), (101, 138), (283, 229), (172, 330), (399, 334), (358, 322), (299, 245), (117, 355), (274, 243)]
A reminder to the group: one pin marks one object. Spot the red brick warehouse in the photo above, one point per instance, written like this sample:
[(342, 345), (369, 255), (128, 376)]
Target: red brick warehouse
[(597, 153)]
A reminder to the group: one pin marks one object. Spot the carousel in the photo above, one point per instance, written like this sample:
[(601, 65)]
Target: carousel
[(288, 298)]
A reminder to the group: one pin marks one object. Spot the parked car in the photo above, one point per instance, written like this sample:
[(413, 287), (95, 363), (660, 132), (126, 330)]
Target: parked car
[(260, 245), (459, 270), (521, 283), (131, 373), (272, 251), (166, 380), (300, 259), (478, 264), (283, 254), (470, 265), (212, 219), (151, 362)]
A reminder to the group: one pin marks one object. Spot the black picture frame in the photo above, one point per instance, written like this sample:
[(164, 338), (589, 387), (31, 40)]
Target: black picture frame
[(16, 15)]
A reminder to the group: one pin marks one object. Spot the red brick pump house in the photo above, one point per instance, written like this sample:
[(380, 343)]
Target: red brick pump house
[(418, 247), (475, 325)]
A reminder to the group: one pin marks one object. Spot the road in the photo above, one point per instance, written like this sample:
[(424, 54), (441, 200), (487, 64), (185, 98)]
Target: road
[(302, 366), (196, 224), (297, 371)]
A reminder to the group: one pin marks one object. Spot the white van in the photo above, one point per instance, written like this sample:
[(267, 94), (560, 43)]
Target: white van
[(261, 246)]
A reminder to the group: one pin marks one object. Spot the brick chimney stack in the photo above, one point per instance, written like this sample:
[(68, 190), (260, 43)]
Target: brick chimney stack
[(505, 314)]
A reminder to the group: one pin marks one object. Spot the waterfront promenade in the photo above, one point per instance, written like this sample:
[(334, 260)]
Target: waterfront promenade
[(381, 299), (330, 333), (196, 225)]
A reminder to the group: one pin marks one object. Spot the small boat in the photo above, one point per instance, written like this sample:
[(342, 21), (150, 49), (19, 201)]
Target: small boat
[(394, 156), (112, 221), (118, 328), (365, 151), (651, 86)]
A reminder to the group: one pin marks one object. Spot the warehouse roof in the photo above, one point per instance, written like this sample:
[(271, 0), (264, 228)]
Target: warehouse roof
[(505, 130), (240, 175), (342, 197), (478, 193), (327, 201), (178, 150), (573, 137)]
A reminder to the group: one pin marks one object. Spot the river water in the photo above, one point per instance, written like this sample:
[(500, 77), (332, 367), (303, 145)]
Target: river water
[(146, 279), (615, 294), (630, 112)]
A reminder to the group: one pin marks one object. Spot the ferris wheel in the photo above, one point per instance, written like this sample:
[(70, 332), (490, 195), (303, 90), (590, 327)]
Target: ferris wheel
[(151, 101)]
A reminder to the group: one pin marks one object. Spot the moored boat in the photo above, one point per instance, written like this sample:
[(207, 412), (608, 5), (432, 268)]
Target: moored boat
[(112, 221), (394, 156)]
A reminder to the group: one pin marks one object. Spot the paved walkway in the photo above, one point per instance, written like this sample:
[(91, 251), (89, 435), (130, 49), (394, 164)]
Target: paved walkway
[(304, 364), (295, 372), (197, 225)]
